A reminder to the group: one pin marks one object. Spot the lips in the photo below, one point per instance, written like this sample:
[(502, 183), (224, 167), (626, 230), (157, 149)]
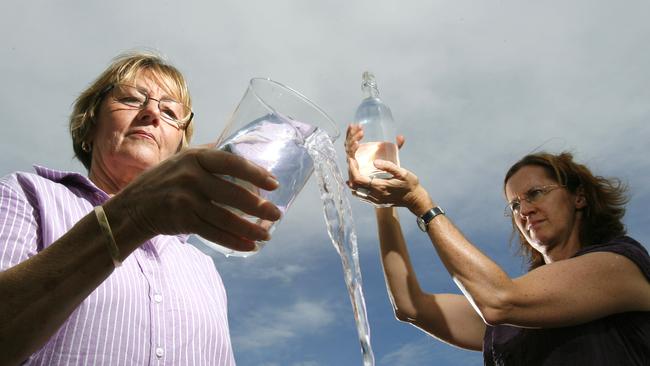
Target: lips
[(144, 134), (533, 224)]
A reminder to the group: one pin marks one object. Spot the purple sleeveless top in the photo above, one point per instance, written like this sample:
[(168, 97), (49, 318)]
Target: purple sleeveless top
[(619, 339)]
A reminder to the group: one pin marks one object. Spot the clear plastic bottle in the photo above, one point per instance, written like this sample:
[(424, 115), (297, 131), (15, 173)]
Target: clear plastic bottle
[(376, 120)]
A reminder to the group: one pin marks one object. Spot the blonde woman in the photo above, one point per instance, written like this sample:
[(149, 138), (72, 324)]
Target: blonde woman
[(96, 269)]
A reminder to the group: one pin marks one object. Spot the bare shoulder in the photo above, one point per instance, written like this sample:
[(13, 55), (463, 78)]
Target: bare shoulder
[(609, 276), (620, 271), (577, 290)]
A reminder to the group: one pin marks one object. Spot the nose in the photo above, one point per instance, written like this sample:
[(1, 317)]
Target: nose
[(150, 112), (526, 208)]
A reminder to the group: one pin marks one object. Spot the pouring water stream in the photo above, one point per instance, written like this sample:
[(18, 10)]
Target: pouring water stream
[(341, 230)]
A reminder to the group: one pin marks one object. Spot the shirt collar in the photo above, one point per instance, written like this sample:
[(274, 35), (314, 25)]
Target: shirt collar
[(74, 179)]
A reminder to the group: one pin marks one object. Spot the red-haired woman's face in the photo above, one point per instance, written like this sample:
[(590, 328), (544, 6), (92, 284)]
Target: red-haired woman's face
[(546, 213)]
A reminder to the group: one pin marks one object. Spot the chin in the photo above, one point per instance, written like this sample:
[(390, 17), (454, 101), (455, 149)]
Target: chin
[(142, 159), (536, 241), (542, 244)]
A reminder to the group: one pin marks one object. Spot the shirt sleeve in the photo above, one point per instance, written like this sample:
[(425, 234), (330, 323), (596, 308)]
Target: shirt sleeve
[(18, 224)]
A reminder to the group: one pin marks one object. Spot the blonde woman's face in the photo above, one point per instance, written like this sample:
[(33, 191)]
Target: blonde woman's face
[(127, 140)]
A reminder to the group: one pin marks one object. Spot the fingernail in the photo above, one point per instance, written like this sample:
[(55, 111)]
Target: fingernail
[(272, 181), (266, 236), (275, 211)]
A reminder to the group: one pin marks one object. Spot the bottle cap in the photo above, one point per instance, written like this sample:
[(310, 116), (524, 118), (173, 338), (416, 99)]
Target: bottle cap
[(368, 80)]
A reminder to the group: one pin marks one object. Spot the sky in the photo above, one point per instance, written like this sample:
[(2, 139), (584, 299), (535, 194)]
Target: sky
[(473, 86)]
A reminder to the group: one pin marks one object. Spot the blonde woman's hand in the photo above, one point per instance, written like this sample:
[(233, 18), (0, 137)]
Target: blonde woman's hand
[(188, 192)]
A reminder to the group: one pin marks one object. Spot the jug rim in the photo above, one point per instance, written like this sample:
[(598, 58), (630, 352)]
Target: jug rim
[(302, 97)]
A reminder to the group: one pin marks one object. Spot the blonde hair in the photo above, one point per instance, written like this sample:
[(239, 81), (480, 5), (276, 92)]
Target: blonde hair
[(124, 68)]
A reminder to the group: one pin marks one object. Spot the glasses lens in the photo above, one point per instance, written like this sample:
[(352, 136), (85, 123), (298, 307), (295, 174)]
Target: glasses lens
[(129, 95), (532, 196), (536, 194), (172, 110), (511, 209)]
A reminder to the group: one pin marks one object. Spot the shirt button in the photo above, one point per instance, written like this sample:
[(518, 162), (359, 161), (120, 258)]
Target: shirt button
[(160, 352), (157, 298)]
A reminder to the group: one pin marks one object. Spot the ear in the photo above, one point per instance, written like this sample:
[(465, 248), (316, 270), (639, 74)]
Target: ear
[(580, 198), (92, 125), (90, 135), (182, 144)]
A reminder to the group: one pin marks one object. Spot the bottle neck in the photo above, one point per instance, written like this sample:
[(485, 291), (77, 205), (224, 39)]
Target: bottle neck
[(369, 85), (370, 91)]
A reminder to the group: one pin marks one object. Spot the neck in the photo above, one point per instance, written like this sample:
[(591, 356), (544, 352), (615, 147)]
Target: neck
[(566, 247), (107, 182), (561, 252)]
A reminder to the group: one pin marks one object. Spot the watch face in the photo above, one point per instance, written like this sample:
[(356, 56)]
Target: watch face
[(421, 224), (423, 221)]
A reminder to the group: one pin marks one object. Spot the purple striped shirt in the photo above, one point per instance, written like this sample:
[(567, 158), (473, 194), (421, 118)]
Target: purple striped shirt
[(166, 305)]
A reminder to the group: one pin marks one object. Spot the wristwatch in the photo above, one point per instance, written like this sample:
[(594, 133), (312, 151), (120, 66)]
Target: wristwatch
[(425, 219)]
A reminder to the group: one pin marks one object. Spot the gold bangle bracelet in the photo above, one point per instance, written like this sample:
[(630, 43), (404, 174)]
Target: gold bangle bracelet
[(113, 250)]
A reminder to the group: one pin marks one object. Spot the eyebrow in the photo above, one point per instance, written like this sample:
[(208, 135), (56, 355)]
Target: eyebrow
[(528, 190), (165, 95)]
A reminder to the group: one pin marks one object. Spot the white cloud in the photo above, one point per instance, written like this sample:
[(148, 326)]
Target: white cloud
[(275, 326), (417, 353), (301, 363), (426, 351), (284, 273)]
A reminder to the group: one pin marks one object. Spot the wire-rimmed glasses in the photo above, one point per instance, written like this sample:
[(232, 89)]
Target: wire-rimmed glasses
[(531, 196), (173, 112)]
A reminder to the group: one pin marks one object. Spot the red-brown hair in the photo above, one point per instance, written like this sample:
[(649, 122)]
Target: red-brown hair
[(606, 199)]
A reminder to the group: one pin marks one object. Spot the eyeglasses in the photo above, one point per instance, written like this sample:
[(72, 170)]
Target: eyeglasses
[(533, 195), (173, 112)]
